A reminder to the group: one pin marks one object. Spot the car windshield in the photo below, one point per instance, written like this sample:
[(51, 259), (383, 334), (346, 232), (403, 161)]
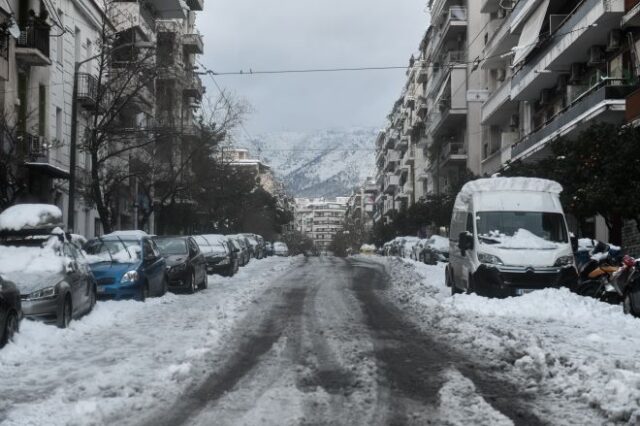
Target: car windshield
[(172, 246), (528, 230), (113, 250)]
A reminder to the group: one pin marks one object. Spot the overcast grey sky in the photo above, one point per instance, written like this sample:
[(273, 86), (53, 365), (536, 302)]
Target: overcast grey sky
[(294, 34)]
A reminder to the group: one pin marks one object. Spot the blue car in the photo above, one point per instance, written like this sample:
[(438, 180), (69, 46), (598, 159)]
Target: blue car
[(127, 266)]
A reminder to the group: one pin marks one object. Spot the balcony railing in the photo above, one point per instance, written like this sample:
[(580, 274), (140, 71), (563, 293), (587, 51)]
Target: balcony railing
[(453, 151), (87, 90), (36, 147), (630, 4), (598, 94), (193, 43), (33, 46)]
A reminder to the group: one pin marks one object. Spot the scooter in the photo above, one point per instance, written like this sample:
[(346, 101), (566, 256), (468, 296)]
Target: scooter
[(596, 275)]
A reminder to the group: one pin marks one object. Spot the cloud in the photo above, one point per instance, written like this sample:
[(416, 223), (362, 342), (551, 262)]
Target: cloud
[(286, 34)]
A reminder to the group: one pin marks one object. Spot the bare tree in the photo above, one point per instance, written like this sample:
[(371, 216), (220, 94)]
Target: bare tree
[(121, 123)]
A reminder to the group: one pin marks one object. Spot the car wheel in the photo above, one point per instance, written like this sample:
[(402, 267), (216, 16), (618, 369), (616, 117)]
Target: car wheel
[(205, 283), (11, 326), (192, 283), (94, 299), (65, 318)]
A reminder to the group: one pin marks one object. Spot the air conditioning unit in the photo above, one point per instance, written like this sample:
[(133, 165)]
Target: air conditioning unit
[(614, 40), (545, 96), (596, 55), (501, 74), (576, 74), (514, 121)]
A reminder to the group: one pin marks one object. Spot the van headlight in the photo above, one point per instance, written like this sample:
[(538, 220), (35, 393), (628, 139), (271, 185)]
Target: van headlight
[(130, 277), (564, 261), (489, 259), (44, 293)]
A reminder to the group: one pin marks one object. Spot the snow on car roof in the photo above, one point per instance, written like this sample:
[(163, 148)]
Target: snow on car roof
[(25, 216), (505, 184), (439, 243), (214, 238), (132, 233)]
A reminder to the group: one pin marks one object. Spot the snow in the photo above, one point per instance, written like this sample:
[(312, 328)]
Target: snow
[(22, 216), (125, 357), (579, 357), (439, 243), (496, 184), (29, 260), (129, 234), (521, 239)]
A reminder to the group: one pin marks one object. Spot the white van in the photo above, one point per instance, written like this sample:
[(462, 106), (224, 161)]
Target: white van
[(509, 236)]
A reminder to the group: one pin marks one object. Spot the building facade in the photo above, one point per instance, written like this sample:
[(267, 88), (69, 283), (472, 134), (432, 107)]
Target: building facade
[(495, 81), (320, 219), (48, 44)]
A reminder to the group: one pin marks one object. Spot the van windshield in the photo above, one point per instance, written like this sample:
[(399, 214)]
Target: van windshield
[(527, 230)]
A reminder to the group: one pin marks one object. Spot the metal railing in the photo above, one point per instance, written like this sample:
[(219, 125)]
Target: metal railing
[(87, 88), (35, 38)]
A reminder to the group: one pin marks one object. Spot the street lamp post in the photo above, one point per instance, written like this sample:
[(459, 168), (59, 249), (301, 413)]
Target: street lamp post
[(73, 145)]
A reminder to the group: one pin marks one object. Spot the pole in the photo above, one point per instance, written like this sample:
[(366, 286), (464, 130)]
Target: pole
[(72, 151)]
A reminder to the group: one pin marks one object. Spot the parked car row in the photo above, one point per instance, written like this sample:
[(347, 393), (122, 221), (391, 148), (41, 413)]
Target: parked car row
[(53, 276), (427, 250)]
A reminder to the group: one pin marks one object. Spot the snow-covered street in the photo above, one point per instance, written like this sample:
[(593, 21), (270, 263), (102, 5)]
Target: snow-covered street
[(366, 340)]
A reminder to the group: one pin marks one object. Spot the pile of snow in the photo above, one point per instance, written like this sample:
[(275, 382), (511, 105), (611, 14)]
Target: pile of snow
[(552, 343), (367, 248), (521, 239), (23, 216), (439, 243)]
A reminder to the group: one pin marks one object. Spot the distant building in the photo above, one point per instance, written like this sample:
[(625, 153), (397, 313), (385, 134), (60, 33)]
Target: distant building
[(361, 206), (241, 158), (320, 219)]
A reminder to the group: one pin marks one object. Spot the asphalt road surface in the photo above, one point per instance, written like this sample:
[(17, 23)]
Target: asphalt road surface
[(324, 346)]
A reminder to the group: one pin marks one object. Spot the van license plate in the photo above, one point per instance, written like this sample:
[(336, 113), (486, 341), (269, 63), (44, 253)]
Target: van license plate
[(523, 291)]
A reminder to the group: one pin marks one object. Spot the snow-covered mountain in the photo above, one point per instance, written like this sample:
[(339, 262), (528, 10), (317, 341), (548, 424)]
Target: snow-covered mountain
[(325, 163)]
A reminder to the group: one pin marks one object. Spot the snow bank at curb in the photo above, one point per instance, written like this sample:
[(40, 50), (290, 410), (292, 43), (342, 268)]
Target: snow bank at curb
[(555, 344), (125, 357)]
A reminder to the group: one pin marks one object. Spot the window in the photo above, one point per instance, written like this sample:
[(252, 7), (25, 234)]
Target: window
[(58, 124), (42, 110), (78, 51), (60, 41)]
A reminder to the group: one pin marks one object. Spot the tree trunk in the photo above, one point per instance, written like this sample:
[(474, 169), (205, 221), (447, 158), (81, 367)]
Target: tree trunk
[(101, 207)]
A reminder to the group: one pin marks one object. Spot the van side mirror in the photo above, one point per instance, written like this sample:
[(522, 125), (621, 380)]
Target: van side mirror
[(465, 242)]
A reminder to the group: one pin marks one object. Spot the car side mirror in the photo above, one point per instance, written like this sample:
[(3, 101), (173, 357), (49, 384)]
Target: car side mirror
[(465, 242)]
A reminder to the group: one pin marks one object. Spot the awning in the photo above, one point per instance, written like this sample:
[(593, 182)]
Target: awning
[(49, 170), (530, 33)]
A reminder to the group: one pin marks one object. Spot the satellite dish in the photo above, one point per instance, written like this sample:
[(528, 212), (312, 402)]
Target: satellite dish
[(14, 29)]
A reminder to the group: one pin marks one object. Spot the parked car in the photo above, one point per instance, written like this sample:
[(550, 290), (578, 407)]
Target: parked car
[(51, 274), (406, 246), (10, 311), (245, 251), (256, 248), (186, 264), (269, 248), (280, 249), (219, 253), (127, 266), (509, 236), (436, 250), (418, 247)]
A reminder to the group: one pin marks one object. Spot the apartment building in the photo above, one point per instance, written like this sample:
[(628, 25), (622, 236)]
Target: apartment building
[(320, 219), (362, 206), (495, 81), (54, 44), (241, 158)]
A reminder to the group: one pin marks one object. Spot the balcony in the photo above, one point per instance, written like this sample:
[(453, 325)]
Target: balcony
[(604, 103), (195, 5), (193, 43), (588, 25), (391, 183), (452, 152), (403, 143), (37, 156), (498, 108), (391, 139), (422, 75), (409, 157), (132, 16), (87, 90), (452, 105), (632, 13), (393, 158), (409, 101), (451, 25), (193, 87), (490, 6), (32, 47), (422, 107), (170, 9)]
